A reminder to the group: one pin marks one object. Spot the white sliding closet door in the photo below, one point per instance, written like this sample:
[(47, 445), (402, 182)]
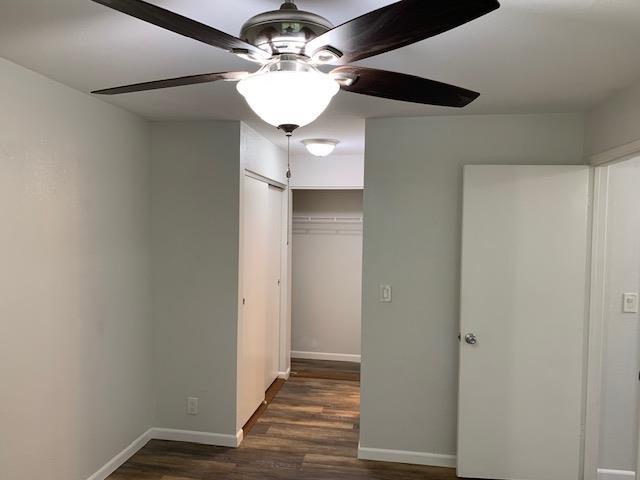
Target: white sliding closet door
[(273, 284), (259, 325)]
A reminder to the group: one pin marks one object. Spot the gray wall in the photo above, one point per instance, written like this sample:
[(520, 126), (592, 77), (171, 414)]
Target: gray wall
[(327, 274), (75, 307), (622, 339), (412, 202), (195, 218), (334, 171)]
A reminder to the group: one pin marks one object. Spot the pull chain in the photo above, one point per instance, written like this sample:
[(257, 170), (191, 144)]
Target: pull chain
[(289, 196), (288, 129), (288, 159)]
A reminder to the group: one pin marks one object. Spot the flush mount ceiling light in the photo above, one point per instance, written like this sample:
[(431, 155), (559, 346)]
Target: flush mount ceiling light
[(288, 91), (320, 147)]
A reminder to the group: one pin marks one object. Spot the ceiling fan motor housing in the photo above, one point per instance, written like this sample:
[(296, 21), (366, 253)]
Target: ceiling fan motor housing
[(286, 30)]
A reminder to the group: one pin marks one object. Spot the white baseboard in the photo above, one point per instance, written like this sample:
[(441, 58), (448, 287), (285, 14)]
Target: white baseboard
[(607, 474), (404, 456), (204, 438), (337, 357), (115, 463), (285, 375)]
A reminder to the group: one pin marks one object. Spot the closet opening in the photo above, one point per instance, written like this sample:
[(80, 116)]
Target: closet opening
[(326, 293)]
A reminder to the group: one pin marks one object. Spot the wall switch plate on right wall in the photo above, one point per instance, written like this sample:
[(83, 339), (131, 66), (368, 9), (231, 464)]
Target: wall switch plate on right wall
[(385, 294), (630, 303)]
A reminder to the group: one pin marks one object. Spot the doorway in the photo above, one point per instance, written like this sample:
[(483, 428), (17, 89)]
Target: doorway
[(326, 275), (612, 428), (322, 393)]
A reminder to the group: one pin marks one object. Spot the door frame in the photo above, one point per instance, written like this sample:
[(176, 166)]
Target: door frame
[(596, 328), (597, 308)]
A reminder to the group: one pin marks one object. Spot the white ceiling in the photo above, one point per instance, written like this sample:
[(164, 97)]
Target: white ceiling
[(529, 56)]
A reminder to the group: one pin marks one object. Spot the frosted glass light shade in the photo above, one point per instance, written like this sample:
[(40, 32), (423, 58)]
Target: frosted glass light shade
[(288, 97), (320, 147)]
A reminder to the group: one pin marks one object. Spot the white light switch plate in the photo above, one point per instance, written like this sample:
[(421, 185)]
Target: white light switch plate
[(385, 293), (630, 303)]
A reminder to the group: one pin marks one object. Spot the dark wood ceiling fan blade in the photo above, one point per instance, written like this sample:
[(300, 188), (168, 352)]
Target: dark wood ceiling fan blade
[(397, 25), (173, 82), (182, 25), (399, 86)]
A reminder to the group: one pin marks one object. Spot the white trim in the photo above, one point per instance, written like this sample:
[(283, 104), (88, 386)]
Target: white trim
[(120, 458), (595, 355), (204, 438), (616, 154), (262, 178), (285, 375), (606, 474), (336, 357), (404, 456)]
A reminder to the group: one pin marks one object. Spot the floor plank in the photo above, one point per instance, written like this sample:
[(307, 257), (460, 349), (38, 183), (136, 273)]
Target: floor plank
[(308, 431)]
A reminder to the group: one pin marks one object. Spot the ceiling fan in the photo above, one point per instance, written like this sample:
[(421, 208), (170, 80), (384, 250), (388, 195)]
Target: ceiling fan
[(289, 90)]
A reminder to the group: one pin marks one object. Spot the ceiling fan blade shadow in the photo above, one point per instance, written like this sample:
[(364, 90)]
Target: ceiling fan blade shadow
[(397, 25), (182, 25), (403, 87), (173, 82)]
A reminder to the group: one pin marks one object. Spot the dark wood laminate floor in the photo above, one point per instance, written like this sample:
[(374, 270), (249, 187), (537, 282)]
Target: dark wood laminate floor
[(325, 369), (309, 431)]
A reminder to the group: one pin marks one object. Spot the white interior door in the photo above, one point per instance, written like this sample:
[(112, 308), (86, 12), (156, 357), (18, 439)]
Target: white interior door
[(523, 297)]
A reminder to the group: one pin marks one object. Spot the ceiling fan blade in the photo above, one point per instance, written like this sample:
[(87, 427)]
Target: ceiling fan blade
[(174, 82), (397, 25), (399, 86), (182, 25)]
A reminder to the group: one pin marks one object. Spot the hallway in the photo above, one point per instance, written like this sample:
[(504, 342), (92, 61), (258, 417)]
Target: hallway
[(309, 432)]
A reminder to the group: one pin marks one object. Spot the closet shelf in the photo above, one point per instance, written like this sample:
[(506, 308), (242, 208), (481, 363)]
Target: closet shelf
[(321, 220), (327, 225)]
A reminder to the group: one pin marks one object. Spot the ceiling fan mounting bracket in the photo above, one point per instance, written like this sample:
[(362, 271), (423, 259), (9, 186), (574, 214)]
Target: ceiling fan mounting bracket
[(326, 54), (345, 79)]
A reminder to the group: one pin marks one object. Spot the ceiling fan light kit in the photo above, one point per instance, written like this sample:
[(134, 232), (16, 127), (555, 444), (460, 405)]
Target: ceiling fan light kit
[(320, 147), (288, 91)]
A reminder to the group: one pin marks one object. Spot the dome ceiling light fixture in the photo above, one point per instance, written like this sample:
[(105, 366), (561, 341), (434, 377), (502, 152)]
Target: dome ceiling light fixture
[(320, 147), (288, 90)]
